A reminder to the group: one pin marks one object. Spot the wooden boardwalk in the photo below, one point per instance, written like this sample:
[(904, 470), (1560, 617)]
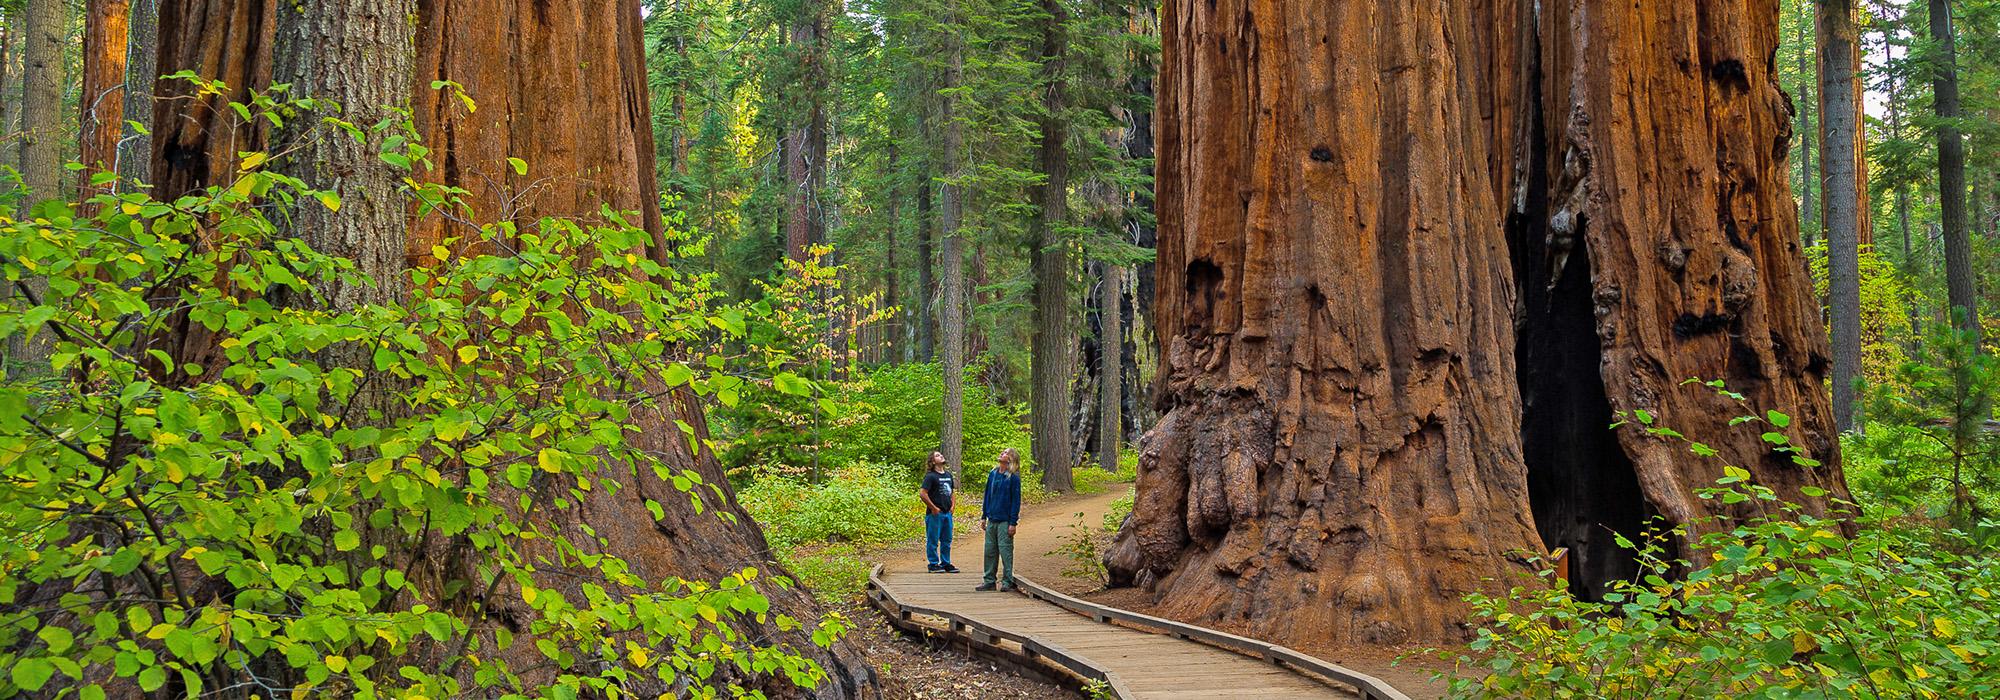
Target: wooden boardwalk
[(1136, 656)]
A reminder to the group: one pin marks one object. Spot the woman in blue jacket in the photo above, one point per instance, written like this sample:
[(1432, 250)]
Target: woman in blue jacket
[(1001, 516)]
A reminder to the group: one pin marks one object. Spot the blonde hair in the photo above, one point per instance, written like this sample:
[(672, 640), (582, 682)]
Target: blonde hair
[(1011, 456)]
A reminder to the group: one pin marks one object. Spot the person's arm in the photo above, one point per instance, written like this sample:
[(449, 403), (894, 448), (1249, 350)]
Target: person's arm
[(986, 503), (924, 494), (1014, 517)]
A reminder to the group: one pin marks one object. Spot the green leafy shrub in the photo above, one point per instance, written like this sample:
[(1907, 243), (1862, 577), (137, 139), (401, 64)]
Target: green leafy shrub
[(833, 572), (1791, 606), (863, 504), (1783, 609), (777, 429), (1085, 555), (1089, 478), (1115, 517), (267, 520), (1932, 446), (891, 416)]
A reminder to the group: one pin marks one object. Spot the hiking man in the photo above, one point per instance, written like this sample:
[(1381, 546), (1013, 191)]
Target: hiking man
[(939, 483), (1001, 518)]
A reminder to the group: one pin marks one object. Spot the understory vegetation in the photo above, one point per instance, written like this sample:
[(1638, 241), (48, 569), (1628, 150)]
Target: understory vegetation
[(1890, 596)]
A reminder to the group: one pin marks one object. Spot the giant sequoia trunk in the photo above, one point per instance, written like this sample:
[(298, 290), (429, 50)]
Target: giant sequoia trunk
[(1350, 443), (561, 85)]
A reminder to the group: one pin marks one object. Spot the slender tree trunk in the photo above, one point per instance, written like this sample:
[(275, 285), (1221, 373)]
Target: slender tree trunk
[(1139, 138), (46, 29), (1054, 326), (1809, 176), (952, 305), (46, 26), (101, 110), (1961, 287), (142, 46), (805, 152), (1110, 375), (1908, 264), (9, 31), (1840, 165), (926, 311), (892, 335)]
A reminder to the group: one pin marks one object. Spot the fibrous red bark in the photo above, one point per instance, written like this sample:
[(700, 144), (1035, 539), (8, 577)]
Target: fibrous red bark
[(1336, 459), (1395, 240), (561, 85)]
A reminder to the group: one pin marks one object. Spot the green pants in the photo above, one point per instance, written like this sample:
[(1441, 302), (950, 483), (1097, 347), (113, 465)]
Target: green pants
[(999, 553)]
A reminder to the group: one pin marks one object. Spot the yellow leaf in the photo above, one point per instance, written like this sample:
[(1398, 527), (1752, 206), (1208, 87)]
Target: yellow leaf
[(549, 460), (639, 656), (252, 160), (468, 354), (129, 209), (336, 663), (329, 200), (1944, 628), (440, 252)]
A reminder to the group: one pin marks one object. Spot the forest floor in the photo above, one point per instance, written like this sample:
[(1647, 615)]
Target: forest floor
[(934, 672)]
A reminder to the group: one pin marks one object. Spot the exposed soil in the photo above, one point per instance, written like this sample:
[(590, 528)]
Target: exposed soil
[(912, 669)]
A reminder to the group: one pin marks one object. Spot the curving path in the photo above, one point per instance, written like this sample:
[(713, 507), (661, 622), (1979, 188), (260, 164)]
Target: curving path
[(1136, 656)]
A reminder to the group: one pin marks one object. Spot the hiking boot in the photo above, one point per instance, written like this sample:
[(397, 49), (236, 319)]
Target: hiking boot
[(935, 568), (984, 587), (1007, 588), (949, 569)]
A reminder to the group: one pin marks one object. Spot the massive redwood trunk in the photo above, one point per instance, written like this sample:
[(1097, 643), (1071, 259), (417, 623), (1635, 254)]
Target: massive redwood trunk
[(561, 85), (1338, 458), (1366, 209)]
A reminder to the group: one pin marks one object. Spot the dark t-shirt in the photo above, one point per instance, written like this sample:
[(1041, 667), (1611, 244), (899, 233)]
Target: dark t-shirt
[(940, 486)]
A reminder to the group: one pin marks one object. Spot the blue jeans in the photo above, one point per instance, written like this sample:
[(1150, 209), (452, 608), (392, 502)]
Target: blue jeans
[(937, 539)]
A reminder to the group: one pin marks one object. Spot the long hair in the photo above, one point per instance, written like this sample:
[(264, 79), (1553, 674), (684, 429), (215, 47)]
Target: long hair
[(1011, 456)]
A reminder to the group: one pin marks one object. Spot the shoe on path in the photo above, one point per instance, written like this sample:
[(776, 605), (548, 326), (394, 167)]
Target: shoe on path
[(949, 569), (1007, 588), (935, 568), (984, 587)]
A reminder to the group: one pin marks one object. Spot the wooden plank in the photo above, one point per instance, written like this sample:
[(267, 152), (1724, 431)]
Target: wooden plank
[(1134, 657)]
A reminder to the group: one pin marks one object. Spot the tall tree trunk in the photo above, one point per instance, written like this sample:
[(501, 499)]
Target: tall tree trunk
[(9, 32), (926, 311), (357, 55), (892, 334), (1341, 458), (1050, 360), (46, 30), (1111, 372), (1143, 65), (1809, 182), (1677, 200), (560, 84), (142, 46), (1840, 167), (1960, 285), (46, 26), (951, 209), (1908, 264), (805, 150), (1334, 314), (101, 108)]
